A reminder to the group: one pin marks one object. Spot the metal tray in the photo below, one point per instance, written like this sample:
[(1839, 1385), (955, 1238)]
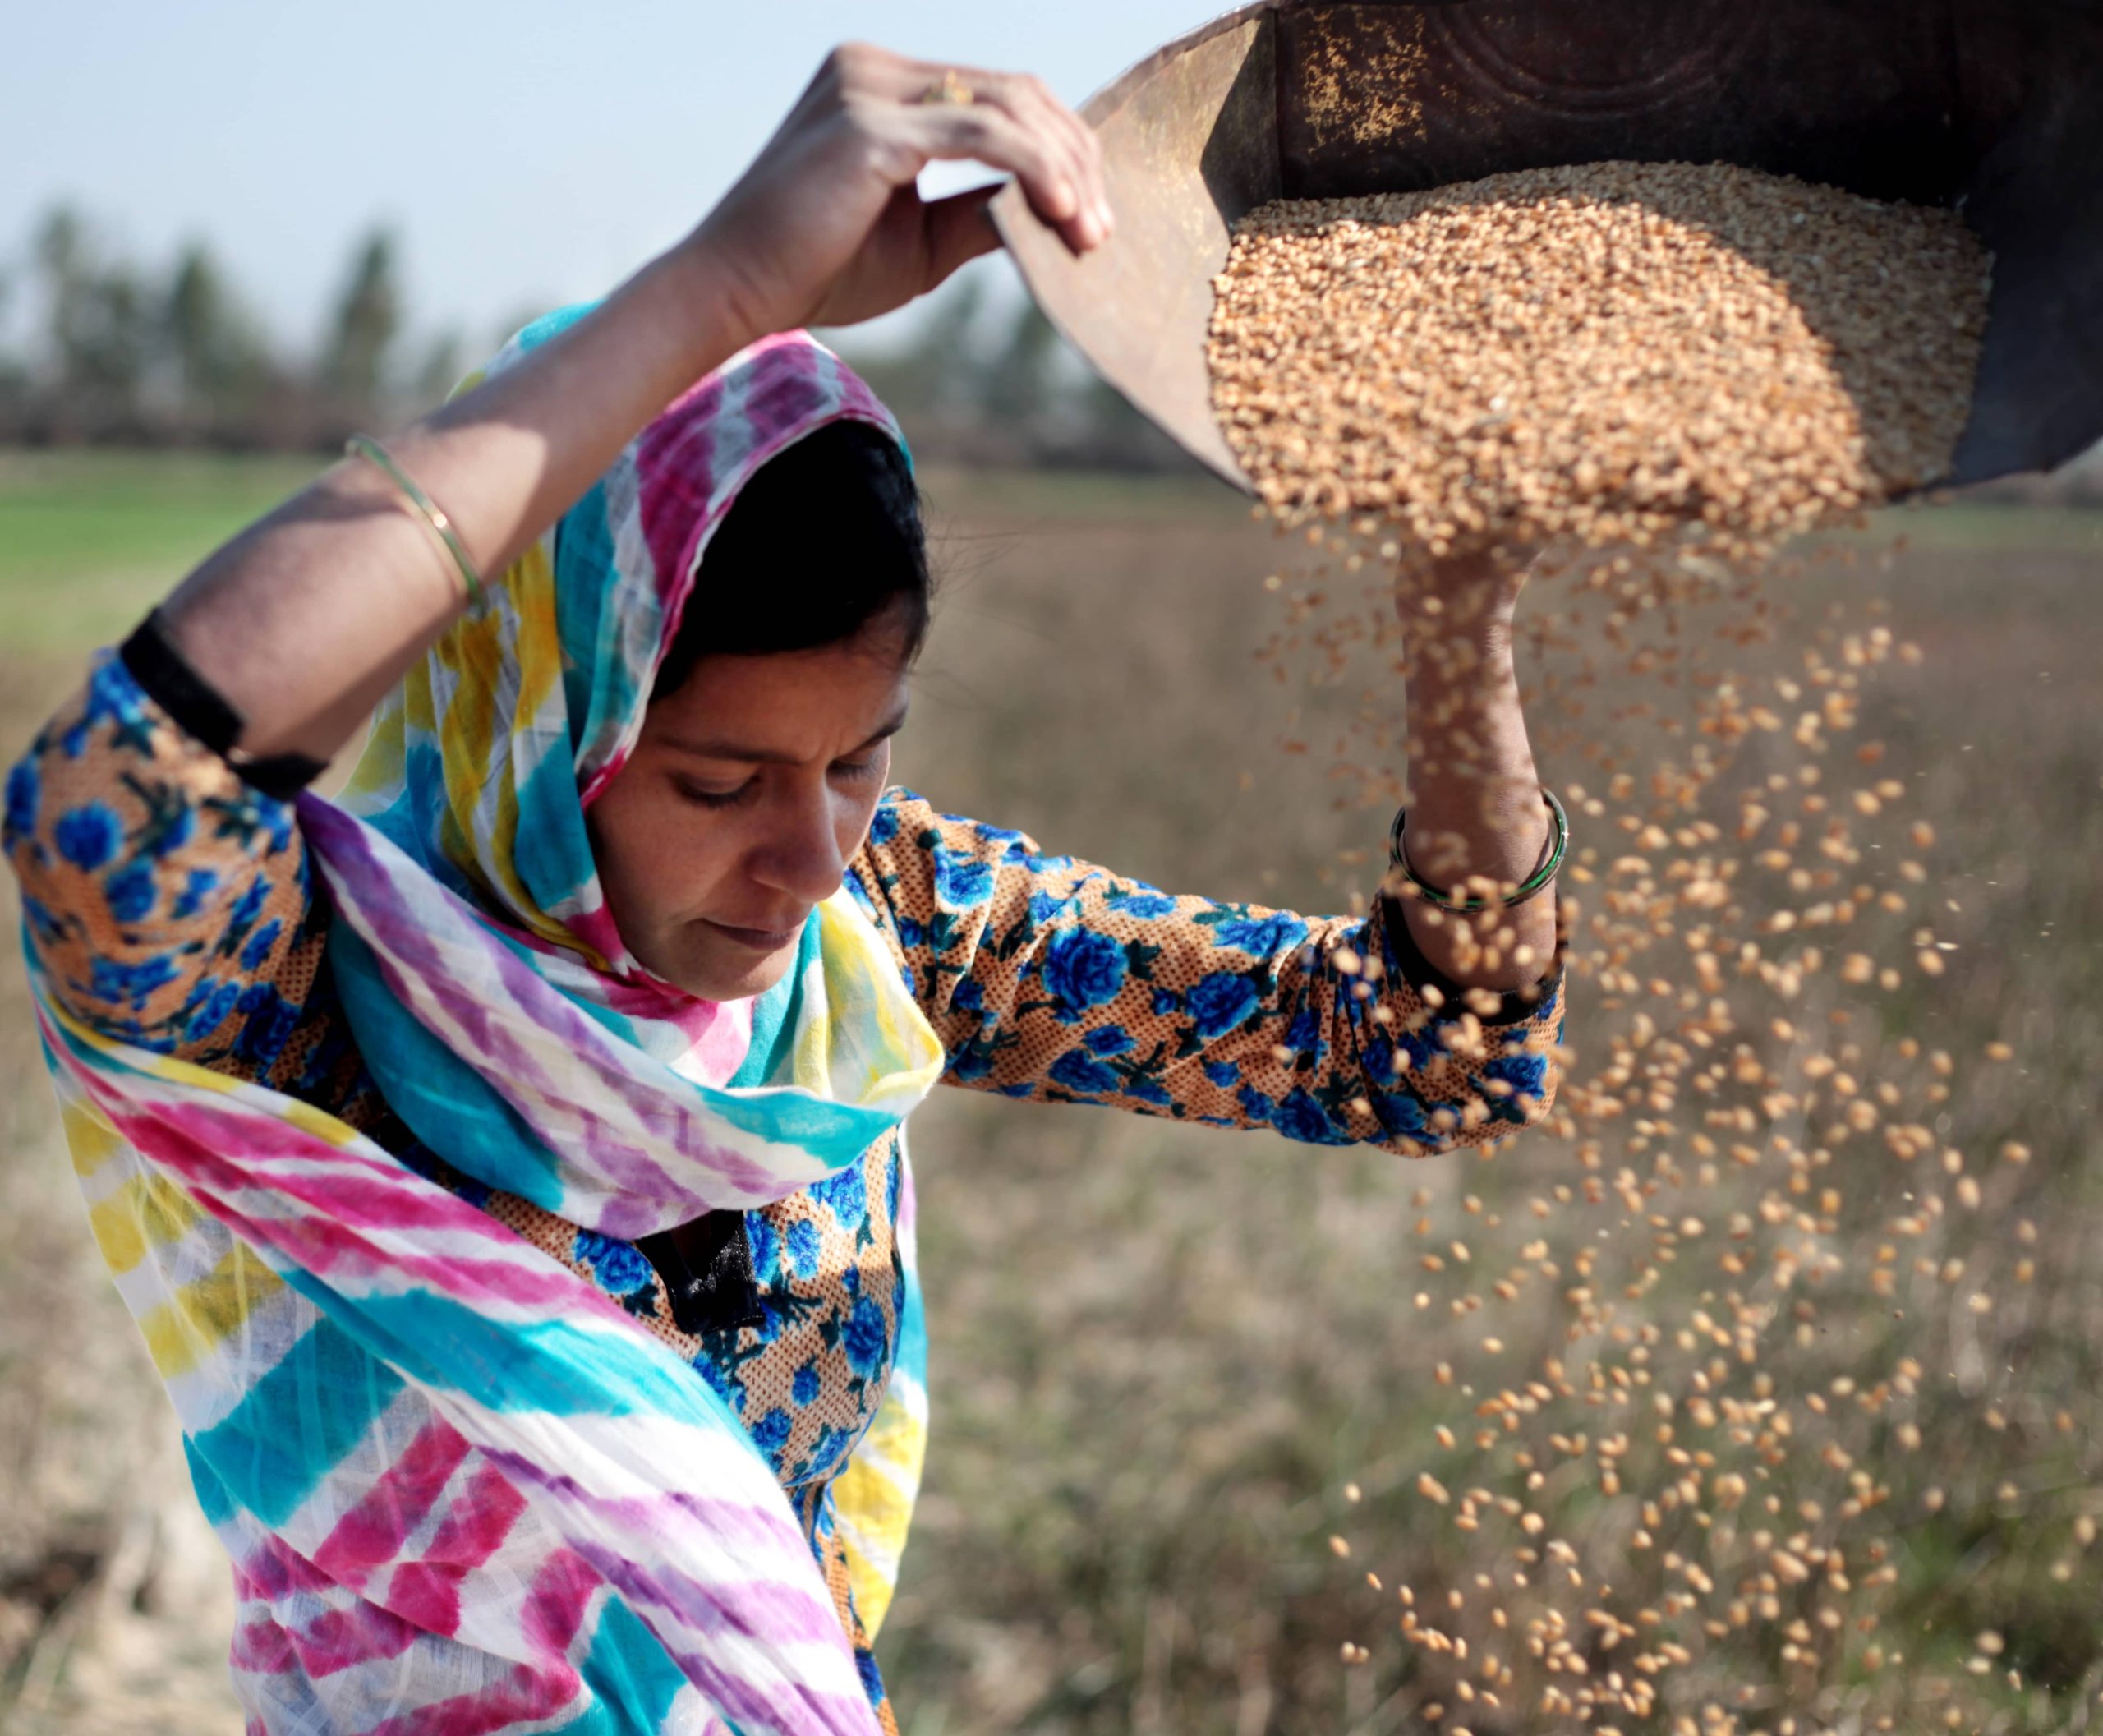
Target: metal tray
[(1995, 107)]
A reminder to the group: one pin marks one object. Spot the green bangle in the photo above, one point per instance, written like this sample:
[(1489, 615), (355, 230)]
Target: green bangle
[(363, 446), (1558, 850)]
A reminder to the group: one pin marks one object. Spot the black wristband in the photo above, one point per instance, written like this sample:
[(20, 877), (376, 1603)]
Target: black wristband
[(198, 709)]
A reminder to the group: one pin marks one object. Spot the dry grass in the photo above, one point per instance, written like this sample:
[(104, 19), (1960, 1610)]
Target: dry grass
[(1159, 1355)]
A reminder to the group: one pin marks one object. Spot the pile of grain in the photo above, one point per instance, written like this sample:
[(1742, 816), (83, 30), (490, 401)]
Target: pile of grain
[(1602, 352)]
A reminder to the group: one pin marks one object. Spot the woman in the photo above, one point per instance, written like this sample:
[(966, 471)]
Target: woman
[(505, 1168)]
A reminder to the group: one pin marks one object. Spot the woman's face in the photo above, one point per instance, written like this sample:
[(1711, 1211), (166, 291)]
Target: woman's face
[(750, 789)]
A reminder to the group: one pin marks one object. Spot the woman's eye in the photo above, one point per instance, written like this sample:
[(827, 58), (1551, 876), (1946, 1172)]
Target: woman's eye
[(715, 798), (859, 767)]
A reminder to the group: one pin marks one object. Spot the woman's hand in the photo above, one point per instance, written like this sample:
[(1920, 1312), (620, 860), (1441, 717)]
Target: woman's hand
[(827, 227), (1476, 813)]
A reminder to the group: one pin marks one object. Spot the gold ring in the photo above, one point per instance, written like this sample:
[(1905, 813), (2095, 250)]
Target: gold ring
[(951, 91)]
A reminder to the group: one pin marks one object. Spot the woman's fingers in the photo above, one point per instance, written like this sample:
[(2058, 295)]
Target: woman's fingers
[(1044, 145), (1039, 161), (1032, 95)]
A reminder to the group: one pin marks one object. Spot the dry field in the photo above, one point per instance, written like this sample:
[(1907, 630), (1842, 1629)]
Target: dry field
[(1159, 1355)]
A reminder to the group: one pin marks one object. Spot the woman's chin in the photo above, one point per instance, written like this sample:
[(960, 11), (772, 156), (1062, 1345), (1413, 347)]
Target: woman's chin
[(715, 970)]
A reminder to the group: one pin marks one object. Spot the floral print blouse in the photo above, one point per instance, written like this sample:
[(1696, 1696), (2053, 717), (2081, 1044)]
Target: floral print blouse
[(171, 905)]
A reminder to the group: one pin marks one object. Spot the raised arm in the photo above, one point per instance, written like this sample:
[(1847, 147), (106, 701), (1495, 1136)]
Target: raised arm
[(304, 621)]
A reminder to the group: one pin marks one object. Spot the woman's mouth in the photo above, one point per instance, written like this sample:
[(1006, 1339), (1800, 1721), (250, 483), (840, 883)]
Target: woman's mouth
[(759, 939)]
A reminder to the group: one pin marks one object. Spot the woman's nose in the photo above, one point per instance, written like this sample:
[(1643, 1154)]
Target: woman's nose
[(802, 855)]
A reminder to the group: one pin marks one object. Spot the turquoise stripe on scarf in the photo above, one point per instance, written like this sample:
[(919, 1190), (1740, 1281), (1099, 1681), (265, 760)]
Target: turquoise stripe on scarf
[(633, 1679), (768, 1056), (294, 1425), (556, 1367)]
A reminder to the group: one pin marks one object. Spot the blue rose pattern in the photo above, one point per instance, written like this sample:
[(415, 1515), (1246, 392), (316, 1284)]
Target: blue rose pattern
[(1264, 937), (198, 884), (847, 1195), (1402, 1115), (619, 1268), (1300, 1118), (130, 892), (866, 1337), (25, 792), (770, 1432), (257, 952), (1526, 1075), (87, 836), (765, 1246), (1221, 1003), (1144, 905), (961, 884), (1083, 969), (1076, 1072)]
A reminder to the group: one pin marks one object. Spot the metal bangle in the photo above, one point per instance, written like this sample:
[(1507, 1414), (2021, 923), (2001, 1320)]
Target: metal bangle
[(363, 446), (1557, 851)]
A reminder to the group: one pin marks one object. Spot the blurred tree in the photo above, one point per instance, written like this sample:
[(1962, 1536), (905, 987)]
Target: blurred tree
[(979, 377), (1121, 438), (99, 332), (368, 321), (930, 380), (14, 374), (976, 385), (216, 352), (1019, 386)]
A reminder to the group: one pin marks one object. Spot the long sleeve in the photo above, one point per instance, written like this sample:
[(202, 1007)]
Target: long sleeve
[(166, 899), (1054, 980)]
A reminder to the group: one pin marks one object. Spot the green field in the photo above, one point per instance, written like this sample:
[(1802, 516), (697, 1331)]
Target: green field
[(1161, 1354), (87, 541)]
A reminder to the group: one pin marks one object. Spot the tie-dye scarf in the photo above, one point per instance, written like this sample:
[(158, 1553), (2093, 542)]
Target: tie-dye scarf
[(493, 1502)]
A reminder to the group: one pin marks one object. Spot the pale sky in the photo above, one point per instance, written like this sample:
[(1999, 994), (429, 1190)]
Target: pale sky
[(528, 154)]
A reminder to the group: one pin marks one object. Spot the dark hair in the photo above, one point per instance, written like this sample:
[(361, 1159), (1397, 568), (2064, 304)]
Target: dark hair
[(825, 542)]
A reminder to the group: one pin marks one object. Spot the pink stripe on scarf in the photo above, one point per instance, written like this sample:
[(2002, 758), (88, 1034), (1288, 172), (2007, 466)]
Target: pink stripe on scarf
[(555, 1606), (371, 1534), (524, 1697), (186, 1140), (427, 1591)]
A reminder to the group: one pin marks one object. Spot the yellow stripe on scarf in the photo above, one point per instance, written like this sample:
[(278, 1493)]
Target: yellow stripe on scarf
[(201, 1315), (873, 1499), (148, 1211), (90, 1137)]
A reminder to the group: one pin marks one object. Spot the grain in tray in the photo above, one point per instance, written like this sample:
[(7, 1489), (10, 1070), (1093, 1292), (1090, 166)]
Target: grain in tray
[(1606, 352)]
